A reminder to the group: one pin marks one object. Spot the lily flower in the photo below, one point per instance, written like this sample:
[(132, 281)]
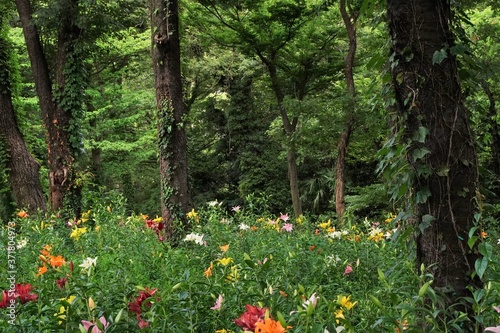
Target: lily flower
[(218, 303), (88, 263), (313, 301), (269, 325), (284, 217), (88, 324), (248, 319)]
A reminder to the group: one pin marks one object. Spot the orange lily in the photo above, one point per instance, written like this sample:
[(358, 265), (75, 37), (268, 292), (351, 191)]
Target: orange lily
[(42, 270), (57, 261), (269, 326)]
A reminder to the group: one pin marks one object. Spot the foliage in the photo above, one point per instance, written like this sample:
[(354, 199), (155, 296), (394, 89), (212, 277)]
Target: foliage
[(309, 274), (236, 155), (232, 106)]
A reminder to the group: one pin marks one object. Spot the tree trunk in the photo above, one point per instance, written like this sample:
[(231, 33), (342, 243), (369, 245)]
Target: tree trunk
[(175, 200), (350, 18), (293, 179), (441, 152), (289, 127), (23, 168), (69, 112), (56, 120), (340, 170)]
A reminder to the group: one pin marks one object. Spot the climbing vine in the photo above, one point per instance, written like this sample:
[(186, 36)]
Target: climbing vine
[(71, 98)]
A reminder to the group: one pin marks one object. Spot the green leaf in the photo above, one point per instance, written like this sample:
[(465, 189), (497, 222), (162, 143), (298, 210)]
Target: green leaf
[(419, 153), (439, 56), (486, 249), (472, 240), (431, 294), (250, 263), (478, 295), (423, 195), (480, 266), (281, 319), (400, 78), (443, 171), (119, 316), (420, 134), (377, 302), (472, 231), (426, 222), (177, 286), (381, 274), (423, 289)]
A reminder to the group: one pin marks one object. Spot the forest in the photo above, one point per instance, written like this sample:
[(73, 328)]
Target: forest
[(187, 153)]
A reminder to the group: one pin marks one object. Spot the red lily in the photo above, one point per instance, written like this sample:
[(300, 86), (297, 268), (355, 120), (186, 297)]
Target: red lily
[(24, 293), (6, 299), (136, 306), (61, 283), (248, 319)]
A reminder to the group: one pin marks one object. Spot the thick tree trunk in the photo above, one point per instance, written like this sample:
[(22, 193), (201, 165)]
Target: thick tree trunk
[(349, 17), (23, 168), (442, 152), (175, 200), (60, 156)]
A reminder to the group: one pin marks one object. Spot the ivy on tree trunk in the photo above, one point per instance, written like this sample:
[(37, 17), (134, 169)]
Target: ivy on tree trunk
[(350, 17), (60, 108), (175, 198), (441, 146)]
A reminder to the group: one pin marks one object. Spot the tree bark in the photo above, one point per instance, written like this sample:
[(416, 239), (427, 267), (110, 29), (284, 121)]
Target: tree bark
[(289, 127), (69, 101), (23, 168), (340, 170), (56, 120), (175, 197), (441, 152), (350, 18)]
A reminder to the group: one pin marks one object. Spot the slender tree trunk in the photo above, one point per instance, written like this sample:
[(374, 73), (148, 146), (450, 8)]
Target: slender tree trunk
[(289, 127), (56, 120), (23, 168), (340, 170), (350, 18), (175, 200), (442, 152), (293, 176)]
